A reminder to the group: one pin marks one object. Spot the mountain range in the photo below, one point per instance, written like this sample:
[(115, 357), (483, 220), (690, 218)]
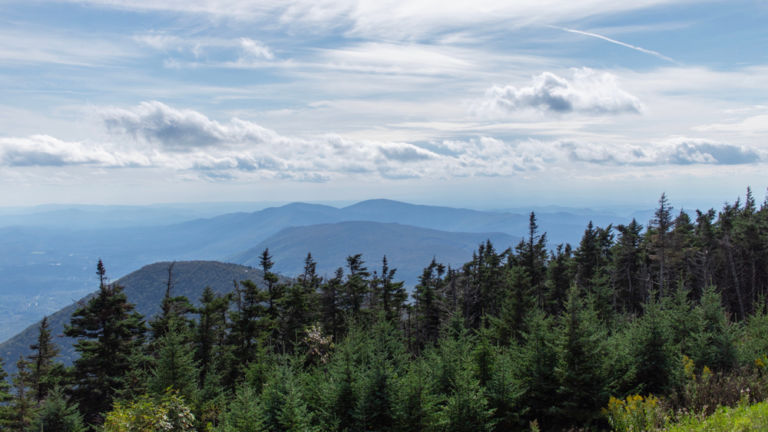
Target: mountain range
[(47, 259)]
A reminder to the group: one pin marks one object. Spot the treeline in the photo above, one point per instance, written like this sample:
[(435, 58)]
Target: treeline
[(516, 339)]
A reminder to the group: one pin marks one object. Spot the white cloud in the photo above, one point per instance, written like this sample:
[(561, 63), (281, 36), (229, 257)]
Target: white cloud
[(752, 125), (44, 150), (587, 92), (153, 134), (255, 49)]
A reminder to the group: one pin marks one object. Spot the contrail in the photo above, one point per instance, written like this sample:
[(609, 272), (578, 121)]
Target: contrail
[(614, 41)]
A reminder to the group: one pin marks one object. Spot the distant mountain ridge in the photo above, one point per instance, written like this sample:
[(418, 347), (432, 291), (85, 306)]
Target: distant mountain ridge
[(145, 288), (42, 268), (408, 248)]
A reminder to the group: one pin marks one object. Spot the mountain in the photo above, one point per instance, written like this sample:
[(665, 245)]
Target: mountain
[(408, 248), (145, 288), (45, 267)]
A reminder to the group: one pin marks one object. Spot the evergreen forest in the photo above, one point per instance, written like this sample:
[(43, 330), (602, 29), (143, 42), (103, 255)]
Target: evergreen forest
[(637, 327)]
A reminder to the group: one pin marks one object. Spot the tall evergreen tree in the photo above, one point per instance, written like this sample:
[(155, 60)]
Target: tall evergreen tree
[(107, 330), (43, 372), (6, 413), (175, 366), (23, 405), (582, 379)]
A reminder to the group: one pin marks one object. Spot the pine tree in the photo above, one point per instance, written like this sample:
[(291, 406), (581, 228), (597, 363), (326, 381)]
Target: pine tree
[(652, 354), (583, 388), (107, 332), (627, 265), (56, 414), (391, 295), (532, 256), (331, 305), (356, 286), (175, 365), (538, 369), (210, 333), (171, 309), (659, 235), (44, 374), (6, 414), (428, 305), (250, 327), (416, 402), (23, 404)]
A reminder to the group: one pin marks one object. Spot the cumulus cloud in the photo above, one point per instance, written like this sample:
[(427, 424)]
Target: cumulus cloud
[(153, 134), (182, 130), (586, 91)]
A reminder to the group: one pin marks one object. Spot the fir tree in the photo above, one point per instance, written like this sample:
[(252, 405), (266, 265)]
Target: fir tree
[(56, 414), (580, 369), (6, 414), (175, 366), (44, 374), (107, 332)]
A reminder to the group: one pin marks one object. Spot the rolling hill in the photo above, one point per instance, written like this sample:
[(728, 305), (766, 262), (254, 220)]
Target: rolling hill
[(145, 288)]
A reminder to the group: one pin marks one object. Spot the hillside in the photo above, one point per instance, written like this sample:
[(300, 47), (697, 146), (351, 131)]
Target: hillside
[(409, 249), (145, 288)]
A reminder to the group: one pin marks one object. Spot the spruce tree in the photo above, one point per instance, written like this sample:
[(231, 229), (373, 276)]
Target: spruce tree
[(6, 415), (210, 332), (175, 365), (56, 414), (583, 389), (43, 372), (23, 406), (107, 332)]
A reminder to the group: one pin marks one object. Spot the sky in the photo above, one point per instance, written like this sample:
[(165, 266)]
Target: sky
[(486, 104)]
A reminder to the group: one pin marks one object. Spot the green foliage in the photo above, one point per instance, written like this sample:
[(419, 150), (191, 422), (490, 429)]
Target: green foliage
[(57, 414), (635, 413), (166, 413), (175, 367), (583, 382), (107, 332), (743, 418)]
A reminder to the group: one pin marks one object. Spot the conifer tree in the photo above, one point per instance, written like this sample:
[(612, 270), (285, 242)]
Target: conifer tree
[(107, 332), (428, 305), (6, 414), (331, 305), (356, 285), (659, 236), (210, 332), (652, 355), (538, 369), (580, 368), (23, 404), (43, 372), (391, 295), (416, 404), (175, 365), (56, 414), (250, 326), (172, 308), (627, 265), (532, 255)]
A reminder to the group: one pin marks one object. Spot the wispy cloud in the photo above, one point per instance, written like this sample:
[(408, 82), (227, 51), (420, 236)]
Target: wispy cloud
[(617, 42)]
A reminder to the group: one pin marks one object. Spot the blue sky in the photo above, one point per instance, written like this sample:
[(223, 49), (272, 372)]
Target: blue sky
[(485, 104)]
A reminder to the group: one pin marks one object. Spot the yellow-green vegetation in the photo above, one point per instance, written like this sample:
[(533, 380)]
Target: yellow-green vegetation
[(635, 413), (169, 413), (741, 418)]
